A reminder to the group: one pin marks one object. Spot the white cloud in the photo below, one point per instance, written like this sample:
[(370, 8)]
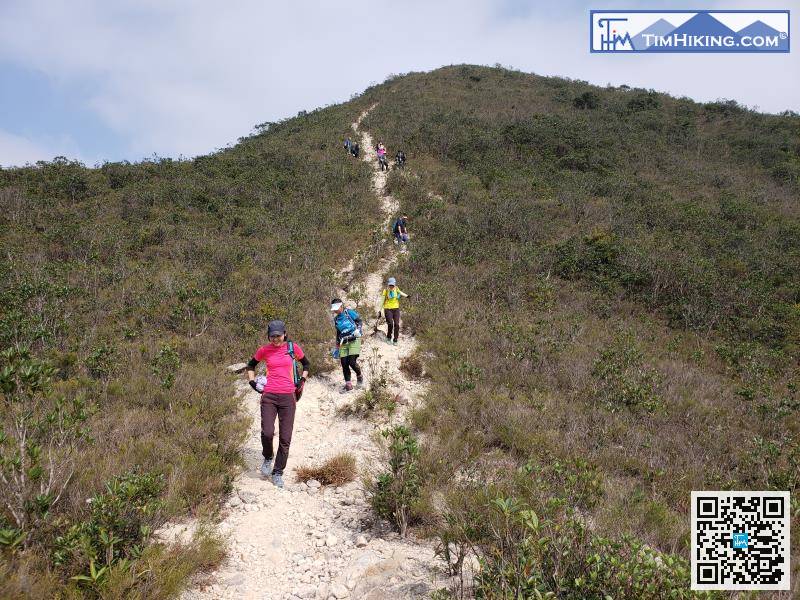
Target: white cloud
[(185, 77), (17, 150)]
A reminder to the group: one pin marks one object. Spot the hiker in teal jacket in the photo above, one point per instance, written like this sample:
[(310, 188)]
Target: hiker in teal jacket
[(348, 325)]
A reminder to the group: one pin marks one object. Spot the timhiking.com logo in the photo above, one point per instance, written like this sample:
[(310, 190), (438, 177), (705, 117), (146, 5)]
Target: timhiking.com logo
[(689, 31)]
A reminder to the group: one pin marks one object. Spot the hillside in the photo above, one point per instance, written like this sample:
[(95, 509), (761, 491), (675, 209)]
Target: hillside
[(138, 282), (606, 282), (604, 294)]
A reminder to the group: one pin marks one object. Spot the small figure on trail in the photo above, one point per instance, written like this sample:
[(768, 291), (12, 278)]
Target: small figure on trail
[(354, 149), (400, 159), (390, 297), (400, 230), (279, 398), (348, 325), (348, 144), (382, 161)]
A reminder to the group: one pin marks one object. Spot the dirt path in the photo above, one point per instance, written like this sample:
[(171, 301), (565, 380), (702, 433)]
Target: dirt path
[(313, 542)]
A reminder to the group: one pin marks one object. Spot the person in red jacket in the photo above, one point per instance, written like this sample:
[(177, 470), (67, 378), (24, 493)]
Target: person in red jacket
[(280, 395)]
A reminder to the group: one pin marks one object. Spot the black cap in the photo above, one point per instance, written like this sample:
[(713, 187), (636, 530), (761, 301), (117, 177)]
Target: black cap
[(276, 327)]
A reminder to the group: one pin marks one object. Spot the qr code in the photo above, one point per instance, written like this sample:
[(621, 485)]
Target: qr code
[(740, 541)]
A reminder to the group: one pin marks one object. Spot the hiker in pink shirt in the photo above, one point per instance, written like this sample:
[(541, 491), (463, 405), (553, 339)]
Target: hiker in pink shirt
[(382, 162), (282, 391)]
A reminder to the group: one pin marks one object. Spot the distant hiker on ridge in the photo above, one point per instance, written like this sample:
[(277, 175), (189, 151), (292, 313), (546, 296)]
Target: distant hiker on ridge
[(382, 157), (279, 398), (354, 149), (348, 341), (400, 159), (347, 143)]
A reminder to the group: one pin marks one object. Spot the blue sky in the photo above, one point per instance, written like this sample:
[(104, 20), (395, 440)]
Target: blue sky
[(98, 80)]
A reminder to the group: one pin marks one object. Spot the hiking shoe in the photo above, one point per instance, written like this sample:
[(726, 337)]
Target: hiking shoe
[(360, 382), (394, 342), (277, 480), (347, 387), (266, 467)]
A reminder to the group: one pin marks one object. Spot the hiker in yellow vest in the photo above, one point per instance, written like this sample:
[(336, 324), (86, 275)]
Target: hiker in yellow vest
[(391, 307)]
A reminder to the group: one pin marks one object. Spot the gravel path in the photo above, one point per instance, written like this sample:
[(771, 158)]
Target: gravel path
[(309, 541)]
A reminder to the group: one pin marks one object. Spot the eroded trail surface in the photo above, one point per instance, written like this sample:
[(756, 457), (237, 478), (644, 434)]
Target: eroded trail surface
[(316, 542)]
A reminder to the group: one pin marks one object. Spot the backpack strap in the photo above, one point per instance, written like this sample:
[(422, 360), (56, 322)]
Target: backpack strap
[(290, 352)]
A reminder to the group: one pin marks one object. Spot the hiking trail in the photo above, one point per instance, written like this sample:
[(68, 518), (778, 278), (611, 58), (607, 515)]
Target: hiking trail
[(310, 541)]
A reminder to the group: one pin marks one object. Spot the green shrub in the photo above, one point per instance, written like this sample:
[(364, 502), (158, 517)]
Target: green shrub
[(622, 380), (522, 555), (41, 435), (643, 101), (466, 376), (575, 481), (377, 394), (117, 528), (100, 362), (588, 100), (165, 364), (395, 492)]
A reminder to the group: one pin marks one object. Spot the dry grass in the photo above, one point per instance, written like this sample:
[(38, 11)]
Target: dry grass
[(336, 471), (413, 366)]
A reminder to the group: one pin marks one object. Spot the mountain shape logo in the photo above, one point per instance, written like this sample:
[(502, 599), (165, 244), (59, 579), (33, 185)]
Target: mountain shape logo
[(760, 28), (661, 27)]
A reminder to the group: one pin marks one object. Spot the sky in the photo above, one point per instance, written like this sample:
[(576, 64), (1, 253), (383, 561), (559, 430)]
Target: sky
[(98, 80)]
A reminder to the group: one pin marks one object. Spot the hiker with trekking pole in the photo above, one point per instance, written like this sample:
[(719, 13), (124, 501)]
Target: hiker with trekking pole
[(285, 379), (390, 300), (349, 327)]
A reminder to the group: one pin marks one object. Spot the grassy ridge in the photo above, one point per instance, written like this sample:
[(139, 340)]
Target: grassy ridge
[(606, 280), (138, 282)]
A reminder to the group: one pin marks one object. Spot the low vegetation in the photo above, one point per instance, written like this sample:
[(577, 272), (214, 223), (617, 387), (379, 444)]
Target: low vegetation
[(605, 292), (395, 493), (606, 280), (124, 290)]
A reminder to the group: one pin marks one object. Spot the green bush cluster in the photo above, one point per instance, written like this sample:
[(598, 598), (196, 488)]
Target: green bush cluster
[(114, 532), (41, 438), (622, 380), (522, 554), (395, 493)]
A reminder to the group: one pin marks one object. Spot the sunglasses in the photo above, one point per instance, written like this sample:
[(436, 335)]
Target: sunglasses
[(276, 337)]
